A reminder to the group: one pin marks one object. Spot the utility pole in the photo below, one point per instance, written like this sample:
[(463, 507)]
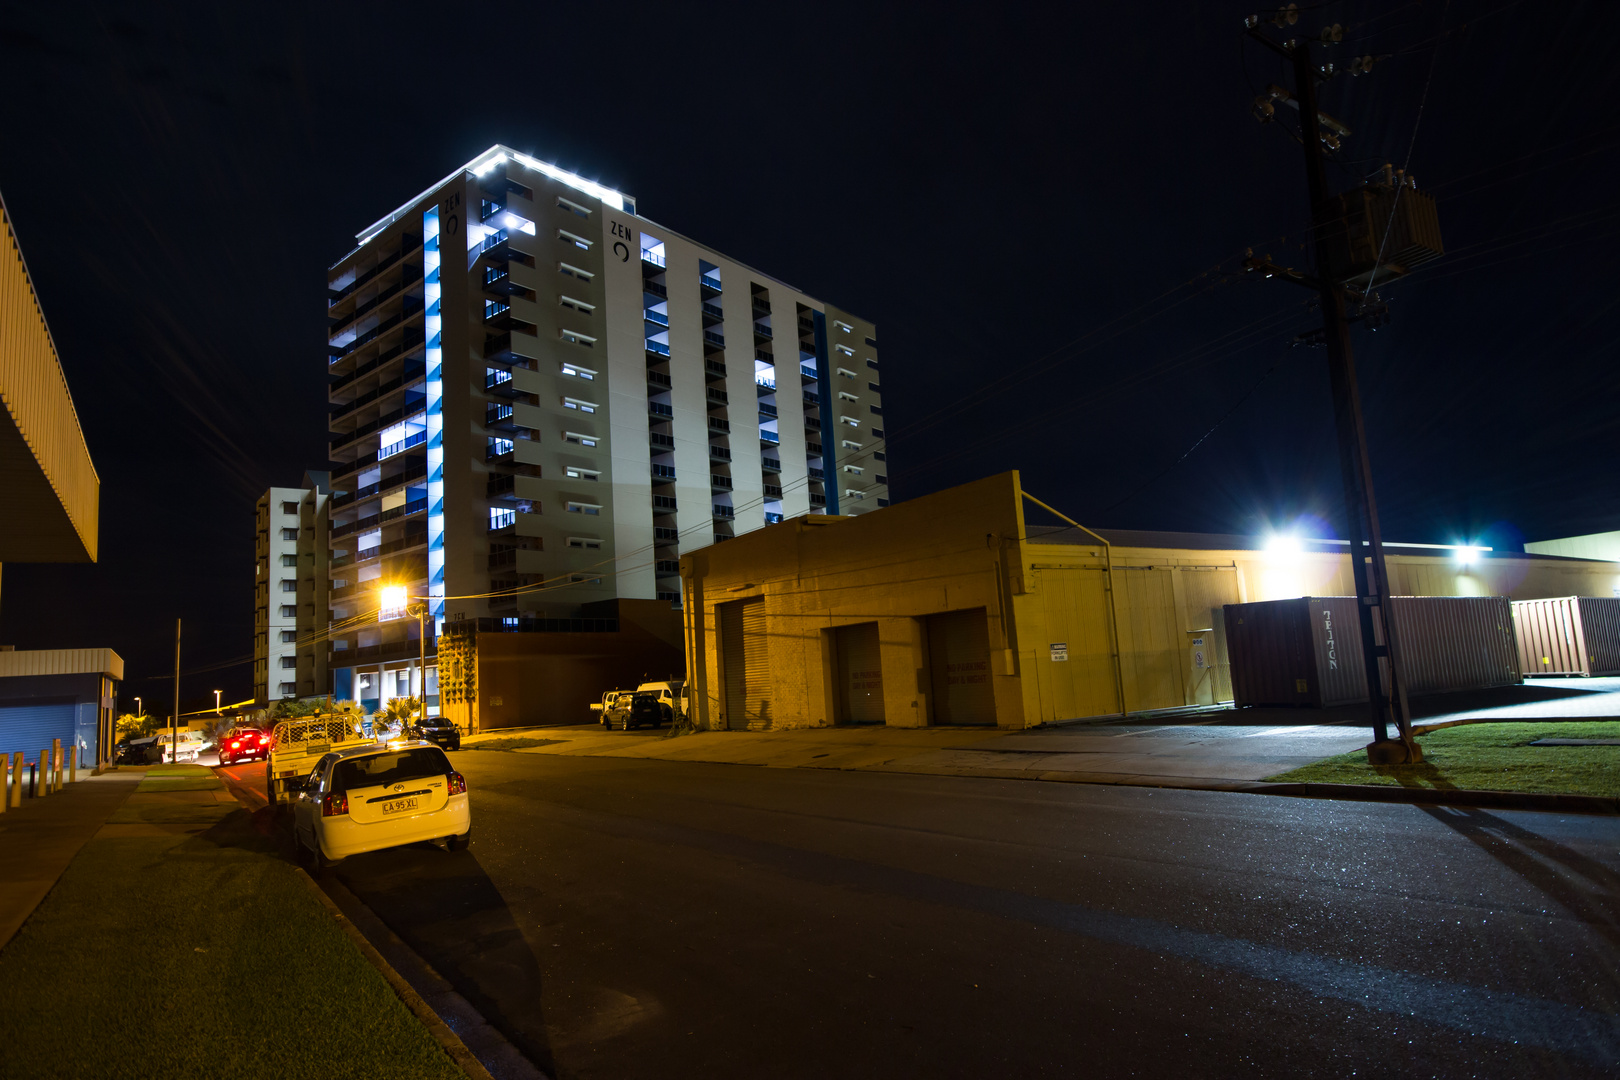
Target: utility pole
[(421, 668), (1390, 709), (175, 732)]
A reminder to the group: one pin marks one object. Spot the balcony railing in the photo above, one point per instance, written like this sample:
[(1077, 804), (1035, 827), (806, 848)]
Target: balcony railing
[(766, 381), (656, 408), (717, 424), (772, 519), (655, 288), (808, 372), (719, 453), (769, 437), (409, 243), (817, 500), (663, 472), (816, 474), (762, 331), (719, 483), (403, 445), (709, 281), (665, 503), (773, 491), (661, 441), (714, 311), (658, 378), (723, 511), (714, 338), (664, 535), (770, 464), (654, 258), (656, 317), (715, 367), (718, 397), (767, 409), (813, 449), (658, 347)]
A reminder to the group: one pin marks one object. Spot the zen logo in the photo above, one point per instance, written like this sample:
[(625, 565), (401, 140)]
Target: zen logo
[(620, 230), (1327, 629)]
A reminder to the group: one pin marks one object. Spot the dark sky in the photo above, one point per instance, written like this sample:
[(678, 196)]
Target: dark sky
[(1042, 207)]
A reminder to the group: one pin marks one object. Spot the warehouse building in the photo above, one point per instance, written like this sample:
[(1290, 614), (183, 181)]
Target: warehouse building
[(950, 609), (66, 694)]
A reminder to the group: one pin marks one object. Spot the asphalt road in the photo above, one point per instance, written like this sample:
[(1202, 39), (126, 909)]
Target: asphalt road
[(632, 918)]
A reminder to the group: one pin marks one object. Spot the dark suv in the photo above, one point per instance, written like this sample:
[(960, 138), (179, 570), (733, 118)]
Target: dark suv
[(440, 733), (243, 744), (634, 710)]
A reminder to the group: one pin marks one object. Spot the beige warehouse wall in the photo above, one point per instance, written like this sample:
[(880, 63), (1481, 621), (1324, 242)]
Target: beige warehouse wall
[(44, 462)]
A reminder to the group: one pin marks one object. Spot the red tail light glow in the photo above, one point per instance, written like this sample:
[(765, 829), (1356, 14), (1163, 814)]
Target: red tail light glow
[(458, 784), (236, 745), (334, 806)]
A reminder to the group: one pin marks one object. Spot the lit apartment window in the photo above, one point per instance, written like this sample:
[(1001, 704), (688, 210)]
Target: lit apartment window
[(493, 308), (579, 440), (574, 271), (500, 519), (585, 508), (578, 372), (289, 534), (578, 241), (589, 543), (582, 406), (851, 493), (499, 446), (844, 326), (581, 474), (578, 305), (850, 420), (845, 395), (577, 338), (289, 611), (573, 207), (845, 349)]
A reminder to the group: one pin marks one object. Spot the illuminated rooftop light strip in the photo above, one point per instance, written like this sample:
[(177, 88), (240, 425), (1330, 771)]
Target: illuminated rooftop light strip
[(481, 165), (1397, 543)]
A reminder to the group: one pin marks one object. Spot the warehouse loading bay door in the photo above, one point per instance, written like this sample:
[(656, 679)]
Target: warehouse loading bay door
[(959, 668), (744, 661), (859, 674)]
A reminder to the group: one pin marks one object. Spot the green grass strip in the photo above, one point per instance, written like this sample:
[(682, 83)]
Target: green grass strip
[(198, 956), (1489, 757)]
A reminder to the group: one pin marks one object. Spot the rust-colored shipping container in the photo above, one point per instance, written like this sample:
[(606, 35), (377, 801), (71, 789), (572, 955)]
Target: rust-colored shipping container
[(1568, 635), (1307, 651)]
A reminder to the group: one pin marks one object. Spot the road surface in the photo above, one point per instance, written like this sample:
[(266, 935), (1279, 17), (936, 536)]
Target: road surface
[(634, 918)]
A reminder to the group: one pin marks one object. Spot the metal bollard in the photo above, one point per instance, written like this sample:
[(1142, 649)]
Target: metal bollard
[(56, 765), (73, 764), (5, 782), (33, 781), (42, 774), (17, 764)]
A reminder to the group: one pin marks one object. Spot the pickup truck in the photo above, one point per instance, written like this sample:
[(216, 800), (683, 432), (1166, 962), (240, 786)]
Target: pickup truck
[(296, 745), (605, 706)]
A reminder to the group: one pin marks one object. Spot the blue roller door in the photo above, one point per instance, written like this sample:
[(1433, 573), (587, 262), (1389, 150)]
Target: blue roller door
[(30, 728)]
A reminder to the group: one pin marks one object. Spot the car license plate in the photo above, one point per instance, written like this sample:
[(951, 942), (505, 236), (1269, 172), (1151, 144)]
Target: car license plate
[(398, 806)]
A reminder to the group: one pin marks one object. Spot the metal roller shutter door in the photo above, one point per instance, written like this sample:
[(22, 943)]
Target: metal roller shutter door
[(745, 658), (860, 674), (30, 728), (959, 667)]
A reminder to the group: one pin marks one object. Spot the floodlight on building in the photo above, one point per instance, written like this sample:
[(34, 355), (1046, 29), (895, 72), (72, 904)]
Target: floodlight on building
[(1283, 547), (1467, 554), (394, 600)]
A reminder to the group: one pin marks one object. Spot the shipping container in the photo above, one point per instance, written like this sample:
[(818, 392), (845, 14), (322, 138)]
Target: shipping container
[(1307, 651), (1569, 635)]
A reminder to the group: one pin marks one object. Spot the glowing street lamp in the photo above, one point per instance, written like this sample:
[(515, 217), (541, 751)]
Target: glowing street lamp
[(394, 602), (216, 701)]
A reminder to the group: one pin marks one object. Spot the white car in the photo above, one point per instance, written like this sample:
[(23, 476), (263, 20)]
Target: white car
[(374, 797)]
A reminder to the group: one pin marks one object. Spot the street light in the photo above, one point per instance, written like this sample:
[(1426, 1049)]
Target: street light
[(138, 705), (216, 702)]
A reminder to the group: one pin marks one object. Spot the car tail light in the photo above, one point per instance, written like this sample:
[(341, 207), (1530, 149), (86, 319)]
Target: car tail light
[(334, 806), (236, 745), (458, 784), (263, 739)]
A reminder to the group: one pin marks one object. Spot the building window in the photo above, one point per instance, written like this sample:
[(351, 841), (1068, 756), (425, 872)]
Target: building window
[(289, 661), (493, 308), (584, 508), (589, 543), (578, 372), (876, 410), (856, 469), (570, 238), (845, 349), (499, 447), (578, 305), (576, 403), (846, 373), (289, 508), (878, 455), (845, 395), (872, 342), (579, 440), (289, 560), (884, 480), (500, 518), (289, 611), (289, 586), (851, 445), (850, 420), (289, 534), (851, 493), (844, 326), (288, 689), (574, 271), (574, 473), (574, 207), (582, 577), (575, 338), (872, 364), (877, 433), (872, 386), (289, 636)]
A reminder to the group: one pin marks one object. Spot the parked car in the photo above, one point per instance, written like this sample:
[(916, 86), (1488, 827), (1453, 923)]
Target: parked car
[(243, 744), (671, 695), (605, 706), (441, 733), (138, 752), (635, 710), (369, 798)]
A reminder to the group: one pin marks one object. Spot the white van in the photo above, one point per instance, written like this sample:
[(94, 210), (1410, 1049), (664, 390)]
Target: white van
[(671, 694)]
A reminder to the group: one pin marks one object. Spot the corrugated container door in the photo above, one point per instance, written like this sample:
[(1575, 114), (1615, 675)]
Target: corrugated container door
[(1269, 645), (742, 656), (959, 664), (860, 674), (1455, 642), (1546, 635), (1336, 636), (30, 728), (1600, 631)]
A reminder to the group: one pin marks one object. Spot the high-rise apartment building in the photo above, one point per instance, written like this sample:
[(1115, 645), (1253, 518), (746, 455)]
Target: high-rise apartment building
[(540, 399), (291, 610)]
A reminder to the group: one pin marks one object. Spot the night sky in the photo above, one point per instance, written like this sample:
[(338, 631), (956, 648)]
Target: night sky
[(1043, 208)]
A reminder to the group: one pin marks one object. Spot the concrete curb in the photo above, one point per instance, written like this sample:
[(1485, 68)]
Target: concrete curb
[(448, 1040), (1490, 800)]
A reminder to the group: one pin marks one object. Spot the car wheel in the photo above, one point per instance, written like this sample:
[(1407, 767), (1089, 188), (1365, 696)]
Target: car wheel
[(458, 843)]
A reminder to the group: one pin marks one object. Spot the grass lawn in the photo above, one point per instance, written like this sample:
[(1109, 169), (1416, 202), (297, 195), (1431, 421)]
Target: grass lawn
[(1489, 757), (197, 955)]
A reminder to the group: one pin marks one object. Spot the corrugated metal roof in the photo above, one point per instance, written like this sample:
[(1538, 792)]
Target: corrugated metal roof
[(61, 662)]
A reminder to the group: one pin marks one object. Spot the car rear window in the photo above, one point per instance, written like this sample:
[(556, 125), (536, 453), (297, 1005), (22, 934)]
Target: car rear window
[(376, 770)]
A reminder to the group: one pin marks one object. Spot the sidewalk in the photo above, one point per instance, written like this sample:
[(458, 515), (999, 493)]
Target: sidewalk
[(43, 835)]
